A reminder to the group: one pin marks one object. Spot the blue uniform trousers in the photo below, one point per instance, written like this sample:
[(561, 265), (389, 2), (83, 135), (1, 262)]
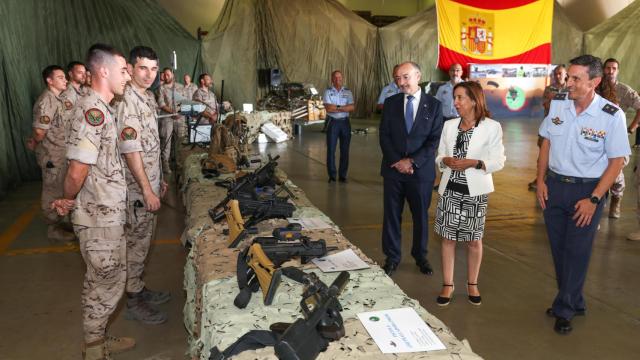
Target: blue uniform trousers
[(570, 245), (418, 195), (338, 129)]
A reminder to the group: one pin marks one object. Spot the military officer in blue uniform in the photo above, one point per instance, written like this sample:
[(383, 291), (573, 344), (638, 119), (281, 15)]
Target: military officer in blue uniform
[(338, 101), (583, 149), (445, 92), (389, 90)]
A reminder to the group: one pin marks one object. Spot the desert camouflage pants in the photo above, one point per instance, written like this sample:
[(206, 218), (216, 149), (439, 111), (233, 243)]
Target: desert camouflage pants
[(52, 189), (104, 251), (617, 189), (138, 233)]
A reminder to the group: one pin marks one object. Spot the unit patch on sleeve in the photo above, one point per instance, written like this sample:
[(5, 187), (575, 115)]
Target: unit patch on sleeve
[(129, 133), (94, 117), (45, 120)]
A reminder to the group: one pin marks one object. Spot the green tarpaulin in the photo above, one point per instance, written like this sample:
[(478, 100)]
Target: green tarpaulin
[(37, 33)]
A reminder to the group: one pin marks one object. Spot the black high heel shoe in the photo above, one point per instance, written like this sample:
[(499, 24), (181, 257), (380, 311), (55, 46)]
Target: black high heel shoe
[(474, 300), (444, 301)]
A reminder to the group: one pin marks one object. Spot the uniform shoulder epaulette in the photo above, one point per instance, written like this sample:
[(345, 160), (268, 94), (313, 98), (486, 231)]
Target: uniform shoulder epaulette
[(610, 109), (560, 96)]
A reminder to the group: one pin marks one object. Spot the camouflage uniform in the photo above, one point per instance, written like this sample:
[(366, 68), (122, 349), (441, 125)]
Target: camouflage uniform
[(70, 98), (189, 90), (627, 98), (208, 98), (138, 129), (50, 152), (165, 98), (100, 212)]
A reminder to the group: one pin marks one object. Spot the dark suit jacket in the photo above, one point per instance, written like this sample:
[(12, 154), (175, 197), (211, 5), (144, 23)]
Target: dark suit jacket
[(420, 144)]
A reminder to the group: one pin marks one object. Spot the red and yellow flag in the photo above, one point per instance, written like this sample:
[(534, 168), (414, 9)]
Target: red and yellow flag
[(497, 31)]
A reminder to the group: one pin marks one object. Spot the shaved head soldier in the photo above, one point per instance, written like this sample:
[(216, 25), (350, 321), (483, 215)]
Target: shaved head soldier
[(139, 143), (96, 190), (48, 141)]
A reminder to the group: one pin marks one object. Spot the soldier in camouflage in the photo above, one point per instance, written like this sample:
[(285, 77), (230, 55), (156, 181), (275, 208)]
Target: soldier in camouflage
[(139, 143), (189, 87), (48, 140), (208, 98), (96, 190), (169, 97), (624, 96)]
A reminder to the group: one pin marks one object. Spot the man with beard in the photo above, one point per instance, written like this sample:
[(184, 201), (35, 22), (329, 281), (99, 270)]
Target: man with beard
[(167, 101), (205, 96)]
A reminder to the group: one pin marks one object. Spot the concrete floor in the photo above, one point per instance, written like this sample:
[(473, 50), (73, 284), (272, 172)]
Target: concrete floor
[(40, 282)]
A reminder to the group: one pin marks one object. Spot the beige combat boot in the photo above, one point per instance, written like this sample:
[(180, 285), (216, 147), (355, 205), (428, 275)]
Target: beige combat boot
[(614, 207), (634, 236), (117, 345), (95, 350)]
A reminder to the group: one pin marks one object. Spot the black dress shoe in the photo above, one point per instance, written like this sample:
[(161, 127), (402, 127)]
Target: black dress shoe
[(332, 179), (342, 179), (579, 312), (562, 326), (389, 267), (425, 267)]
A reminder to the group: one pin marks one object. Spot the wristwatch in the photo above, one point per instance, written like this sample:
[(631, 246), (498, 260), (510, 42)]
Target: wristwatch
[(479, 165), (594, 199)]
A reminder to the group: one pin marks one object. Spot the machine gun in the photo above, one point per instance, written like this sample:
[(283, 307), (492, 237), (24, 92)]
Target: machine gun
[(322, 322), (257, 210), (306, 337), (245, 187), (257, 264)]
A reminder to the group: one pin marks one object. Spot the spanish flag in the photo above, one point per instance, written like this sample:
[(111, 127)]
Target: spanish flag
[(497, 31)]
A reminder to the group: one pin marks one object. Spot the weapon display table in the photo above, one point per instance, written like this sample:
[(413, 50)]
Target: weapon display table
[(210, 282)]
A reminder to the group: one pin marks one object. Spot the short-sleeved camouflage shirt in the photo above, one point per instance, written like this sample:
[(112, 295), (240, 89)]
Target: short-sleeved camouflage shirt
[(627, 97), (47, 115), (93, 140), (138, 132), (207, 97), (166, 94)]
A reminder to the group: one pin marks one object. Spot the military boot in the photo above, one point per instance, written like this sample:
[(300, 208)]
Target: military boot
[(139, 309), (117, 345), (614, 207), (59, 234), (155, 297), (96, 350)]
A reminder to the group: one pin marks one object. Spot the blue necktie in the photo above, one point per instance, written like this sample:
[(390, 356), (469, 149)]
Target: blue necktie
[(408, 114)]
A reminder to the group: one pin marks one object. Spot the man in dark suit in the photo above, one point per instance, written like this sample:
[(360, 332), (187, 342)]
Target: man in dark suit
[(409, 136)]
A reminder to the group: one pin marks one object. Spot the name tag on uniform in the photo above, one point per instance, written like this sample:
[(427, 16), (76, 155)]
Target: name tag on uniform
[(592, 134)]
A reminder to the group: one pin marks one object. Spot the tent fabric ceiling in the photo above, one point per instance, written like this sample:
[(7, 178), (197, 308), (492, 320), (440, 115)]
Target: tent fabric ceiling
[(37, 33), (617, 38)]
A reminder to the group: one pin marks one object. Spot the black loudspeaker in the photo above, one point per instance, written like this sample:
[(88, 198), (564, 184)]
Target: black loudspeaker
[(275, 77)]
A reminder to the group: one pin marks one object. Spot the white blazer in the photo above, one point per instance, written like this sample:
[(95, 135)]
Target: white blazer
[(485, 145)]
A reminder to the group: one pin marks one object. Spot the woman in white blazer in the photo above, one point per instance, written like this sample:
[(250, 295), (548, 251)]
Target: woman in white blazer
[(470, 151)]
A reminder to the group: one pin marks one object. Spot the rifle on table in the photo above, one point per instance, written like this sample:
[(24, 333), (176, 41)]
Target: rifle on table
[(256, 264), (246, 188), (307, 336)]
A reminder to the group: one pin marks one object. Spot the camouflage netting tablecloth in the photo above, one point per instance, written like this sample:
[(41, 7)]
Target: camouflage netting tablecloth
[(210, 282)]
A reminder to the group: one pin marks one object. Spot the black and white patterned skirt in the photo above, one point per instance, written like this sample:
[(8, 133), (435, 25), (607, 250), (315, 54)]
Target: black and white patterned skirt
[(461, 217)]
